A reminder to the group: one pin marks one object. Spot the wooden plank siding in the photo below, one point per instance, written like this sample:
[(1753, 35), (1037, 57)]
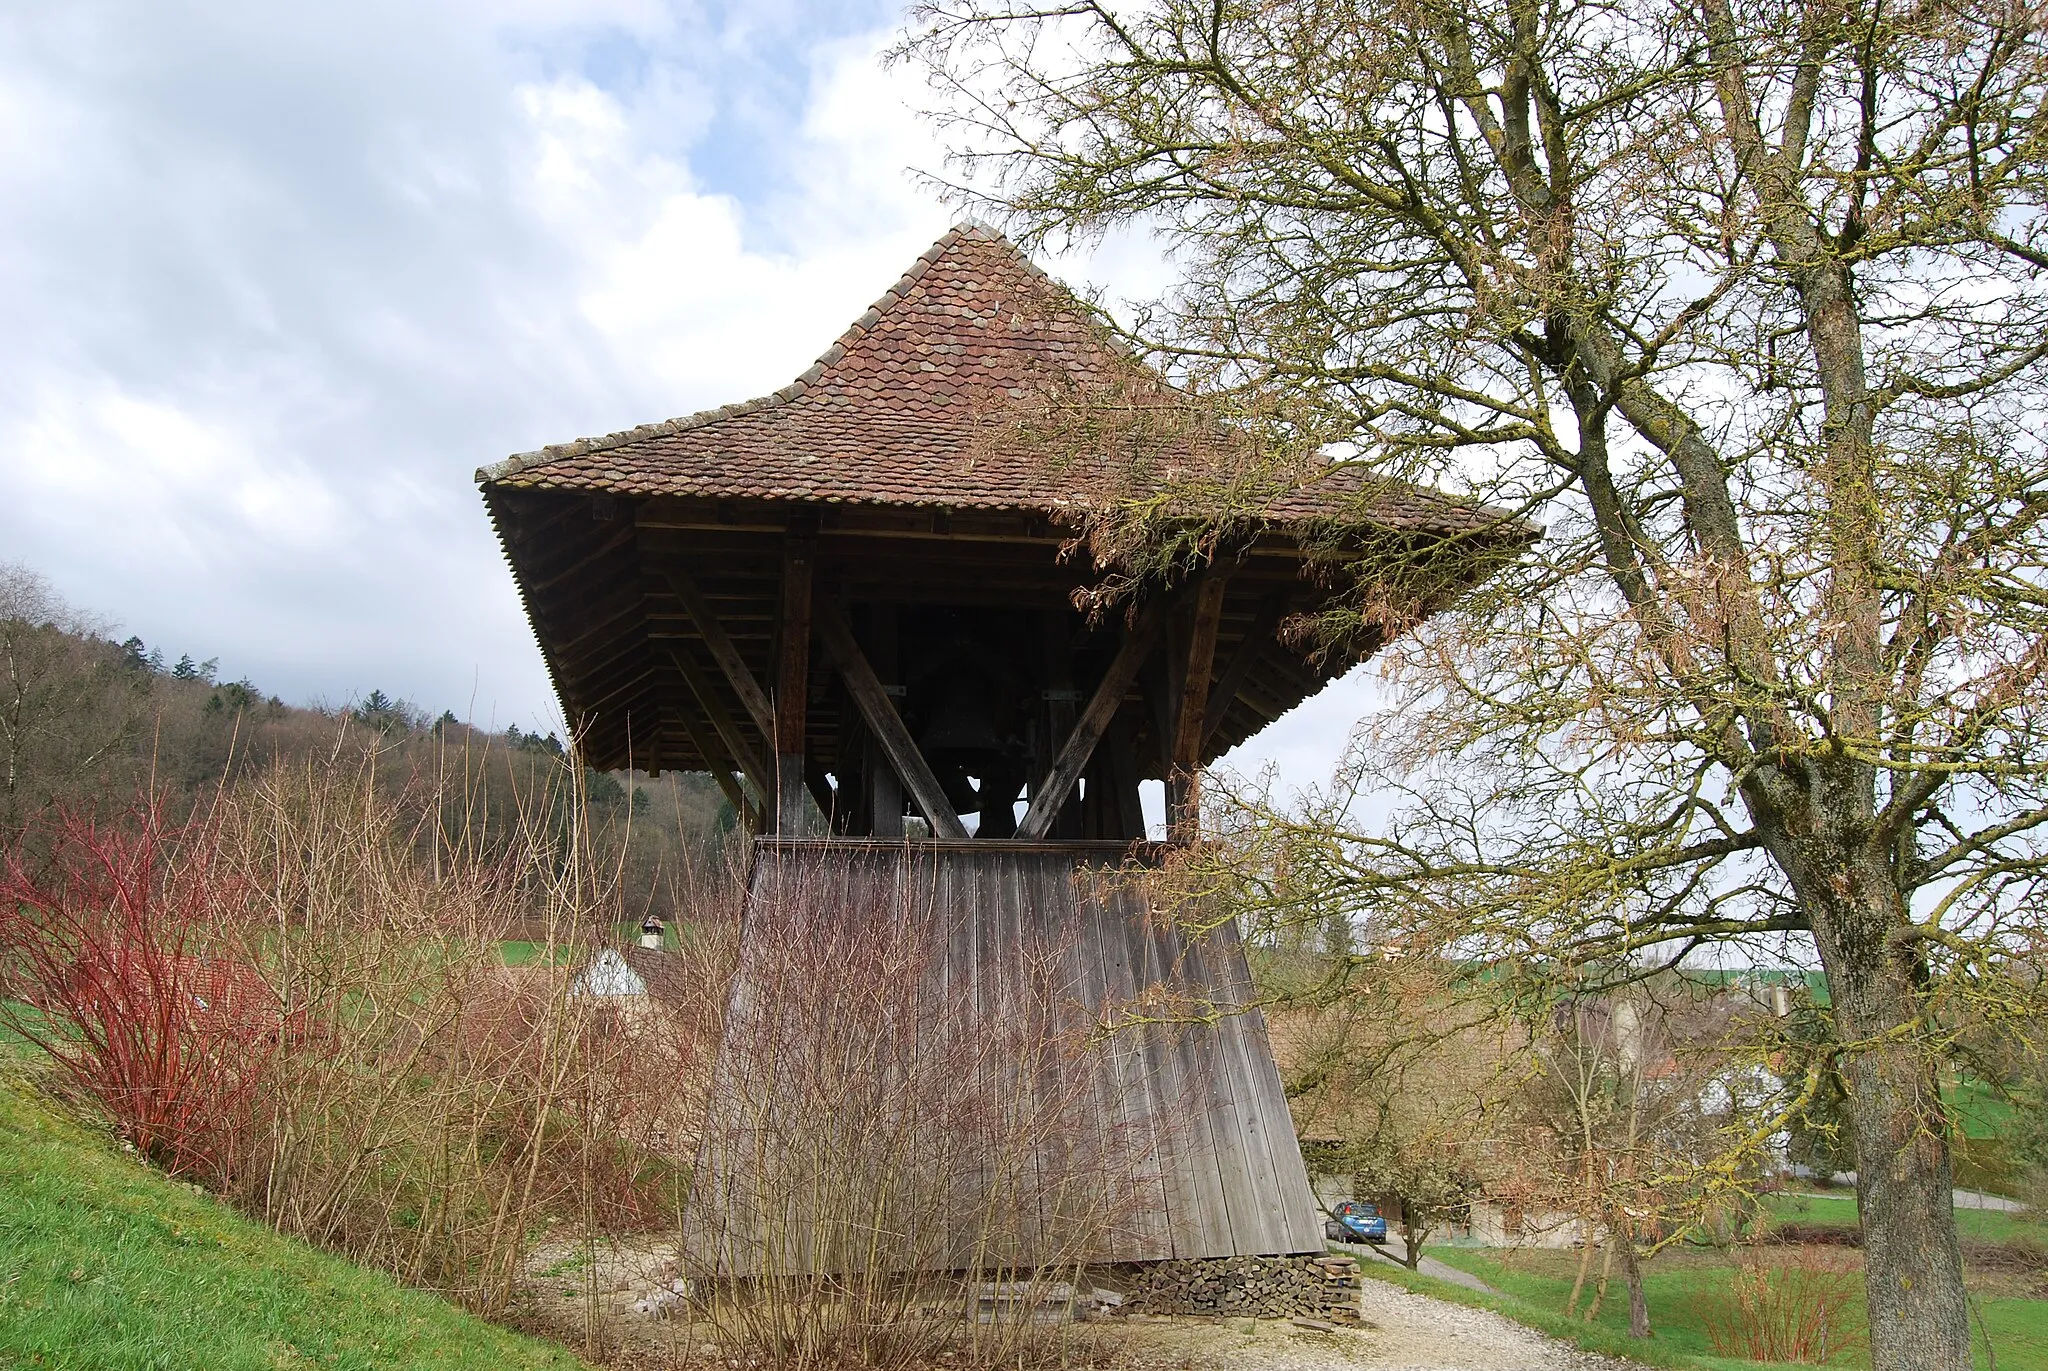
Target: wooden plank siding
[(1156, 1140)]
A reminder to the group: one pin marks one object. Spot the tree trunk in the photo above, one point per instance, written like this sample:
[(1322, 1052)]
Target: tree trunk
[(1411, 1237), (1571, 1306), (1913, 1270), (1600, 1286), (1632, 1272)]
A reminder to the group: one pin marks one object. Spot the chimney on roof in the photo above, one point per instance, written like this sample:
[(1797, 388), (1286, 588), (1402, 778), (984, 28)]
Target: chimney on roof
[(651, 929)]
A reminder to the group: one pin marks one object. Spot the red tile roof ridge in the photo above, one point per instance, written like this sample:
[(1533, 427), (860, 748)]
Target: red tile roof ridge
[(967, 230)]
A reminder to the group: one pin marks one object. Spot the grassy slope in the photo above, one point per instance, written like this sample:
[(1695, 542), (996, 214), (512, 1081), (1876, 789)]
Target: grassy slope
[(105, 1264), (1686, 1288)]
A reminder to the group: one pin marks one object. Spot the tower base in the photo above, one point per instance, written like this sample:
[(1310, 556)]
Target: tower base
[(986, 1055)]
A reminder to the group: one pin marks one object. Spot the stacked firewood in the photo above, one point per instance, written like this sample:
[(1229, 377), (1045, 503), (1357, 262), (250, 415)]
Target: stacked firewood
[(1315, 1287)]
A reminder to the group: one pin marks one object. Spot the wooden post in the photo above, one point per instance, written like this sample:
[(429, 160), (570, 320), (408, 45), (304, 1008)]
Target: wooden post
[(793, 681), (1231, 679), (1050, 793), (820, 786), (1183, 782), (1060, 699), (885, 723), (885, 788), (1123, 753)]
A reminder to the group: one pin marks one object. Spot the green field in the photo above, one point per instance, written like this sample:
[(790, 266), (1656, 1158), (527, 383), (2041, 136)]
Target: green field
[(1975, 1225), (107, 1265), (1688, 1291)]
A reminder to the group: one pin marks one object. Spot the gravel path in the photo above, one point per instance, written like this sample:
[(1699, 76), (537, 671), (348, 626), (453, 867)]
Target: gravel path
[(1415, 1331), (1430, 1266), (1406, 1332)]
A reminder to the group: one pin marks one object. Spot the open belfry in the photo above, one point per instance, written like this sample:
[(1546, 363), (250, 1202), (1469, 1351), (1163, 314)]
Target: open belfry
[(856, 608)]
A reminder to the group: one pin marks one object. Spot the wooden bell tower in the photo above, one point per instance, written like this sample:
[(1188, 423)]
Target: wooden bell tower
[(841, 603)]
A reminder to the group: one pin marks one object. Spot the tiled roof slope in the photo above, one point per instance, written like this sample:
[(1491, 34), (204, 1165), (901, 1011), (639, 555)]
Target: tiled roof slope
[(897, 411)]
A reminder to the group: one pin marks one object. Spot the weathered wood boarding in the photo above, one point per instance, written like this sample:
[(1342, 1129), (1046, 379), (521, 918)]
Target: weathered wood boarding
[(1186, 1149)]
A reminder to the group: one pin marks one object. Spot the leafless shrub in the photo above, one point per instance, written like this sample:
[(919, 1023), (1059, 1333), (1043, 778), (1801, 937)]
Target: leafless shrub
[(300, 999), (892, 1106), (113, 963), (1797, 1306)]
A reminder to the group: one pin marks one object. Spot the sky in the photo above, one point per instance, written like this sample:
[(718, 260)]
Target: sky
[(278, 278)]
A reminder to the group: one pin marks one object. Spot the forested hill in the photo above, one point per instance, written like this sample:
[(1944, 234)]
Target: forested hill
[(93, 724)]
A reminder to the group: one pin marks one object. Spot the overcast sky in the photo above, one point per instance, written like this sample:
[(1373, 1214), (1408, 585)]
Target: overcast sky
[(277, 278)]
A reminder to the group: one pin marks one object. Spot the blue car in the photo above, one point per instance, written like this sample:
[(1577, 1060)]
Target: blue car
[(1354, 1221)]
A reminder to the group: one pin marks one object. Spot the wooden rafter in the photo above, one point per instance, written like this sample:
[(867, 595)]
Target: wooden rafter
[(1256, 639), (721, 722), (737, 674)]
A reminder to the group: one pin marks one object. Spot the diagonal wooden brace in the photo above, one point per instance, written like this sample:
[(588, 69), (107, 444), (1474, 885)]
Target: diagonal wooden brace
[(1256, 639), (752, 698), (1049, 794), (882, 719), (721, 722), (739, 794)]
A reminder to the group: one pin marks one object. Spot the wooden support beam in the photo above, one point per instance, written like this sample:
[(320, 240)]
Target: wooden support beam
[(821, 788), (721, 722), (737, 674), (1051, 793), (720, 767), (793, 681), (884, 722), (1263, 626), (885, 787), (1056, 642), (1183, 789)]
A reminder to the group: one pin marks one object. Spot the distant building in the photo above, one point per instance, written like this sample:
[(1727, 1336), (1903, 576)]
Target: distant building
[(634, 980)]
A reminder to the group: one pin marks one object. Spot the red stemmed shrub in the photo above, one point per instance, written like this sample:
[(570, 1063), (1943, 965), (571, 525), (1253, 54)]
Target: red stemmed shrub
[(114, 961), (1795, 1305)]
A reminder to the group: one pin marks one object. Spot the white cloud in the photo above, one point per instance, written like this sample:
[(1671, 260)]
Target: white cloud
[(156, 471)]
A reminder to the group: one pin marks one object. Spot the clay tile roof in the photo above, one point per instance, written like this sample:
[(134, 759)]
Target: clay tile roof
[(896, 411), (662, 972)]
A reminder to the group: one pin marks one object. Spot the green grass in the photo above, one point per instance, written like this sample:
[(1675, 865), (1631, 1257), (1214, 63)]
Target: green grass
[(1979, 1109), (1839, 1211), (107, 1265), (1687, 1287), (1526, 1303), (515, 952), (518, 953)]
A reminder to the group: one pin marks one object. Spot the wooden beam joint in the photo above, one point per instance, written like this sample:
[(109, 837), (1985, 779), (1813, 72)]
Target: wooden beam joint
[(1051, 792), (879, 713)]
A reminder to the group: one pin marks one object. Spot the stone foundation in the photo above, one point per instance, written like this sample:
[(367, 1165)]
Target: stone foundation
[(1316, 1287)]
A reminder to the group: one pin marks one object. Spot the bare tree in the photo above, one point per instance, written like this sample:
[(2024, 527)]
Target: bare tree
[(1742, 302)]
